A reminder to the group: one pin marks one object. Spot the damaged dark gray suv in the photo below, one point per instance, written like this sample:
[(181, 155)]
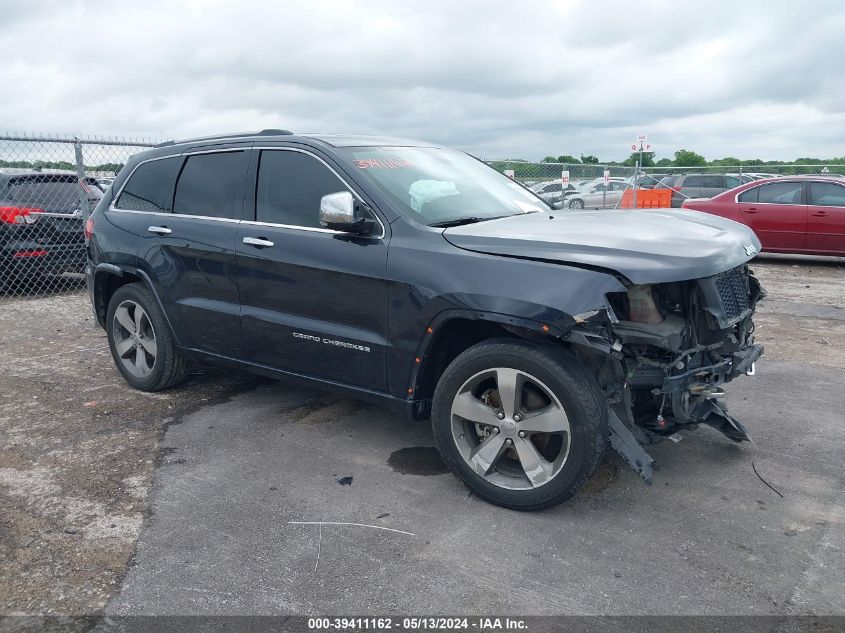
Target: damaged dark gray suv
[(417, 276)]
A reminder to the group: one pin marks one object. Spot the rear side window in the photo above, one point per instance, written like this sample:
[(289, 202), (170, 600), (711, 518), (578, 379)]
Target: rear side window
[(749, 195), (53, 192), (209, 183), (150, 187), (706, 181), (290, 185), (780, 193), (667, 181), (827, 194)]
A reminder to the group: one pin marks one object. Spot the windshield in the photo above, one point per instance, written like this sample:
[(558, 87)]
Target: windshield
[(433, 185)]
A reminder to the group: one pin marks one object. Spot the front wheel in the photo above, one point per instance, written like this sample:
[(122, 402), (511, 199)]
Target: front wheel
[(523, 425), (576, 204)]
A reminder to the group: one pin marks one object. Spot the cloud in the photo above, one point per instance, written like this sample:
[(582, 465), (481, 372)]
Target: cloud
[(749, 79)]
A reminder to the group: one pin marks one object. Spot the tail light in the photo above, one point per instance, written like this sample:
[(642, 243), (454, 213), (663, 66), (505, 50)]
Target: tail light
[(38, 252), (89, 228), (676, 188), (18, 215)]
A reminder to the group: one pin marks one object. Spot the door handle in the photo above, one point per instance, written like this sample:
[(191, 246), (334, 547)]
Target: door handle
[(819, 214), (258, 242), (752, 210), (159, 230)]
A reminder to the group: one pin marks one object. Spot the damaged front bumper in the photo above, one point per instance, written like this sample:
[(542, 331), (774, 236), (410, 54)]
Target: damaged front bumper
[(663, 363)]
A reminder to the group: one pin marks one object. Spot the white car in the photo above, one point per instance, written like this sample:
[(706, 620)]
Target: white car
[(597, 195)]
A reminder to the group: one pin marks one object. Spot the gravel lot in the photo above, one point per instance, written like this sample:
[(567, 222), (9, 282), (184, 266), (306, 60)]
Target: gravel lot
[(211, 476)]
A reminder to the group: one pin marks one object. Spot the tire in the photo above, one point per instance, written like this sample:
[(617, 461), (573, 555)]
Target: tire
[(159, 364), (576, 204), (553, 383)]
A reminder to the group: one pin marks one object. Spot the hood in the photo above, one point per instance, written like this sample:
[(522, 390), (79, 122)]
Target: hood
[(645, 246)]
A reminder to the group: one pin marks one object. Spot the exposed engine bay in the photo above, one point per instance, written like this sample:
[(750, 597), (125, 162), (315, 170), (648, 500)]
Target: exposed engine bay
[(662, 352)]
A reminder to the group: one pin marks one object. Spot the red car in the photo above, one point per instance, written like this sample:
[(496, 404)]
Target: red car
[(793, 214)]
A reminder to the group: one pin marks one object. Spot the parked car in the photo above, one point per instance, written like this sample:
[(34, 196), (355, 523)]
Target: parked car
[(551, 191), (41, 229), (686, 186), (414, 275), (790, 214), (648, 180), (598, 195)]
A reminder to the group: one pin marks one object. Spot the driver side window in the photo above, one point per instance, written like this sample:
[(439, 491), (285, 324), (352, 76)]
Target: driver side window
[(290, 186)]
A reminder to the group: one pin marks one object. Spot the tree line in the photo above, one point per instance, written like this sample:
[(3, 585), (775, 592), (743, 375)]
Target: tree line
[(687, 158), (58, 164)]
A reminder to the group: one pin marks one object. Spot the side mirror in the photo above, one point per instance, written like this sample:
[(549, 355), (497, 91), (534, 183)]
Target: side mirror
[(342, 212)]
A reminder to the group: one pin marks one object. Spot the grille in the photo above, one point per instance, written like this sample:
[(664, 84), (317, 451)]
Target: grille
[(732, 286)]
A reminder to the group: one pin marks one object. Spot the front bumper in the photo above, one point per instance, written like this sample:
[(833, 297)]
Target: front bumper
[(727, 369)]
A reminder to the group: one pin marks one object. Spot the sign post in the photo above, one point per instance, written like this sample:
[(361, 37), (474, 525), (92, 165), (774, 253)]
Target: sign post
[(606, 179), (564, 185), (642, 145)]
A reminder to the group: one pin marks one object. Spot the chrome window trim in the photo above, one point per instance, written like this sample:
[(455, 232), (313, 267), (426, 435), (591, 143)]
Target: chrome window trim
[(167, 214), (171, 213), (312, 228)]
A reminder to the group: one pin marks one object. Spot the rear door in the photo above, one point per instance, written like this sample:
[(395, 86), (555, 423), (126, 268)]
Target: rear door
[(593, 197), (826, 219), (189, 251), (615, 190), (777, 214), (313, 300)]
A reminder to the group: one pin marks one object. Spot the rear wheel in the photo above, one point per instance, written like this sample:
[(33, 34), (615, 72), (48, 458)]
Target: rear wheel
[(522, 425), (140, 340), (576, 204)]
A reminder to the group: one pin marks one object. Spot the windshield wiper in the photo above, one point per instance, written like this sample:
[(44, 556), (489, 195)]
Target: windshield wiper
[(468, 220), (458, 222)]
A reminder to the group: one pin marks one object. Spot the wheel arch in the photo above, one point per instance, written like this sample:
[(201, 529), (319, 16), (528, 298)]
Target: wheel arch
[(108, 278), (454, 331)]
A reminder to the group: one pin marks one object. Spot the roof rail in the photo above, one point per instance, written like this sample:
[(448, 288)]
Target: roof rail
[(268, 132)]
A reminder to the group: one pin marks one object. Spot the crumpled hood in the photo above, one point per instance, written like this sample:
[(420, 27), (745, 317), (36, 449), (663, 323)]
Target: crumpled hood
[(653, 246)]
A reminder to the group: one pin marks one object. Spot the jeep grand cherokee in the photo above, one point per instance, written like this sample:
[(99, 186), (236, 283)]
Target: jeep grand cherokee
[(413, 274)]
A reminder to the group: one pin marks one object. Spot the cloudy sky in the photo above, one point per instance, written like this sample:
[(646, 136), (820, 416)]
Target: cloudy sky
[(500, 79)]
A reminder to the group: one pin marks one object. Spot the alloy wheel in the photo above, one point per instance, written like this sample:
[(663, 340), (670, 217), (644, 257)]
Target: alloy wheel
[(510, 428), (134, 339)]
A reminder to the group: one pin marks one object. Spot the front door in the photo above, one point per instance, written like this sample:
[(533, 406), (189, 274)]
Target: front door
[(777, 214), (313, 301), (826, 222)]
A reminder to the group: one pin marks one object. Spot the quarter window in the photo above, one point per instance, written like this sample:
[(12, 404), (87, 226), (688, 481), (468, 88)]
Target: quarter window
[(780, 193), (150, 187), (290, 186), (749, 195), (827, 194), (209, 183)]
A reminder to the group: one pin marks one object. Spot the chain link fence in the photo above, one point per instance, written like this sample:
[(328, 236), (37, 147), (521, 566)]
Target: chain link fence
[(643, 186), (48, 186)]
